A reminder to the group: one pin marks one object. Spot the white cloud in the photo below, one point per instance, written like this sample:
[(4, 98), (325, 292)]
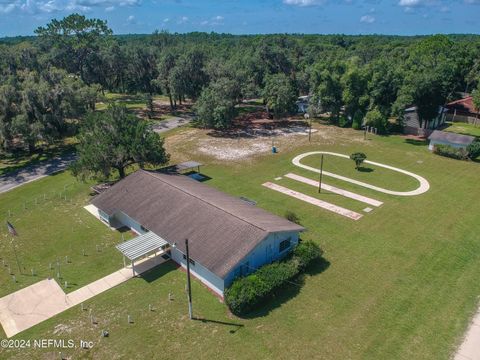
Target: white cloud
[(52, 6), (166, 20), (182, 20), (368, 19), (410, 3), (8, 8), (214, 21), (302, 2)]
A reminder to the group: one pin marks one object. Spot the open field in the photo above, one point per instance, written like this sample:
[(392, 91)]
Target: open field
[(400, 283), (463, 128)]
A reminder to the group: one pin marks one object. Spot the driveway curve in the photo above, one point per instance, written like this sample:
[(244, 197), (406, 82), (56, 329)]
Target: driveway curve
[(423, 187)]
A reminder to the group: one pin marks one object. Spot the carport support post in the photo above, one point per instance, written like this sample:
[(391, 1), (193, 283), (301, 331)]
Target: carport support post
[(133, 268), (188, 281)]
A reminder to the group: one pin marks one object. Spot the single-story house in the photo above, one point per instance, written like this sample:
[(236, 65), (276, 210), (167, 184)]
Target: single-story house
[(447, 138), (413, 126), (228, 237), (302, 104), (463, 110)]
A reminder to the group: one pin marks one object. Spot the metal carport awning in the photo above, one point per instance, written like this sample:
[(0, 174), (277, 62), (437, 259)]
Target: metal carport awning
[(142, 245)]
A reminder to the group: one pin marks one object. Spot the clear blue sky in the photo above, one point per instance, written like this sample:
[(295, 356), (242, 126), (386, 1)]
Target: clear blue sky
[(404, 17)]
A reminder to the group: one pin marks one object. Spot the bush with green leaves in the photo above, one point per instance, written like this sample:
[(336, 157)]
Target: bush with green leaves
[(291, 216), (248, 292), (451, 152), (474, 149), (376, 119), (357, 120), (307, 252), (359, 158)]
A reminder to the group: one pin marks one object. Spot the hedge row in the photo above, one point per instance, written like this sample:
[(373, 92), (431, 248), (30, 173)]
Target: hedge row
[(247, 292), (451, 152)]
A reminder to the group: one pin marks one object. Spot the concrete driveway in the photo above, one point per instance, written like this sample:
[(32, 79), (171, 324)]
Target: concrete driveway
[(34, 172)]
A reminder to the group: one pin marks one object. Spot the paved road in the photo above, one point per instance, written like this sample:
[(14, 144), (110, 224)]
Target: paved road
[(170, 124), (48, 167), (34, 172)]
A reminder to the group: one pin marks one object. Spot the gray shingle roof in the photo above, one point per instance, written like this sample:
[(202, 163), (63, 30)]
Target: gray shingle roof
[(452, 138), (221, 229)]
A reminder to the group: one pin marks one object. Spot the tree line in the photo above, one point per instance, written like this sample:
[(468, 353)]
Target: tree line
[(50, 81)]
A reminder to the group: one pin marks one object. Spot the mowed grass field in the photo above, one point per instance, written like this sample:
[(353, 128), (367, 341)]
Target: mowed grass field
[(401, 283)]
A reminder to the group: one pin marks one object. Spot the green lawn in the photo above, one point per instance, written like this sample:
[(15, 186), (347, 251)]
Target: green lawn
[(51, 228), (464, 128), (401, 283)]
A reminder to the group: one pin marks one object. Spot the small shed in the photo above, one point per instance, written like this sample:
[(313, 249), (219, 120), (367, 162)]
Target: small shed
[(413, 125), (447, 138)]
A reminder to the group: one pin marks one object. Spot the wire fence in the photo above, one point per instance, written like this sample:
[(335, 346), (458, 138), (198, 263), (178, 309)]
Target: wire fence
[(31, 203)]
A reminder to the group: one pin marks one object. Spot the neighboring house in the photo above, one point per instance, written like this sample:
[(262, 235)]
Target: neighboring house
[(463, 110), (302, 104), (447, 138), (228, 237), (413, 126)]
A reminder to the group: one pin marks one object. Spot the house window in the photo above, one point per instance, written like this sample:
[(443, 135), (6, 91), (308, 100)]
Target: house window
[(284, 245), (192, 262)]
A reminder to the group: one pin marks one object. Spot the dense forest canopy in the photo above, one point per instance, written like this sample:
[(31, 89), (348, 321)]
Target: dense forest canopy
[(56, 76)]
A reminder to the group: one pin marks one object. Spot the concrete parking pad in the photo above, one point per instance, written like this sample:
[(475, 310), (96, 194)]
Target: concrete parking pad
[(335, 190), (317, 202), (32, 305)]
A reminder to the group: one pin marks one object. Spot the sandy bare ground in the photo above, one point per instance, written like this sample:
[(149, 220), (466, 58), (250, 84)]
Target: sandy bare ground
[(242, 146)]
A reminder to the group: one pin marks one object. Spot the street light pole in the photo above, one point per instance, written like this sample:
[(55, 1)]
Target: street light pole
[(16, 256), (189, 287), (321, 173)]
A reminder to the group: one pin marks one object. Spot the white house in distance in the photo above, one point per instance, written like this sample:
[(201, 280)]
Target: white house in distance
[(447, 138), (228, 236)]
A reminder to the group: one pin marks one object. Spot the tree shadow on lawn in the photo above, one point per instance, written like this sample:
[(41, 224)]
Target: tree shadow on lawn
[(417, 142), (284, 294), (365, 169)]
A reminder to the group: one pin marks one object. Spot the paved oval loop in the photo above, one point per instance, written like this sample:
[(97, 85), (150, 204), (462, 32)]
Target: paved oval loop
[(424, 185)]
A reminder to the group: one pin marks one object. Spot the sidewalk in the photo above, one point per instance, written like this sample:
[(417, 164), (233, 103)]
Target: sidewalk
[(27, 307), (470, 348)]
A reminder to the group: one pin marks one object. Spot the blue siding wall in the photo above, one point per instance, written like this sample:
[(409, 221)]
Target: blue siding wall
[(265, 252), (128, 221), (206, 276)]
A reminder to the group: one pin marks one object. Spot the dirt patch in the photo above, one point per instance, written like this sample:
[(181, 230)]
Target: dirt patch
[(240, 144)]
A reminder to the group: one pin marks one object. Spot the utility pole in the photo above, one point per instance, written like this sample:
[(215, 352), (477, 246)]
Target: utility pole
[(310, 131), (16, 256), (188, 281), (321, 173)]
